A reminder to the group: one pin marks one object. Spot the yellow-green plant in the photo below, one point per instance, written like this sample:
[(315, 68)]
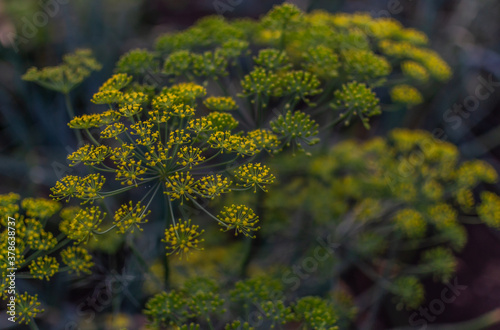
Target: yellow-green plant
[(33, 252), (255, 303), (393, 208), (194, 119)]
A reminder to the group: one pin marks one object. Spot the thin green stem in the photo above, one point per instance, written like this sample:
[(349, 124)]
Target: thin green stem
[(91, 137), (33, 325), (37, 253), (208, 213), (71, 114)]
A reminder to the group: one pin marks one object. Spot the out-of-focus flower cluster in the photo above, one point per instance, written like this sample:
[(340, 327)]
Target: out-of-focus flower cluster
[(407, 192), (36, 252), (255, 303)]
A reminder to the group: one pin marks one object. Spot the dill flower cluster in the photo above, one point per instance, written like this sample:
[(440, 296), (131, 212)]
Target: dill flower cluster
[(258, 300), (75, 68), (158, 141), (183, 135), (182, 237), (44, 267), (409, 191), (38, 251), (406, 94), (356, 99), (240, 218), (77, 259), (27, 308)]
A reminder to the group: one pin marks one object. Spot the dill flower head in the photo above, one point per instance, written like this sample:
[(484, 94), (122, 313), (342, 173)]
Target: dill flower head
[(440, 262), (189, 156), (406, 94), (86, 188), (415, 71), (412, 36), (442, 215), (356, 99), (437, 67), (77, 259), (36, 237), (116, 82), (297, 128), (44, 267), (203, 299), (300, 84), (254, 175), (210, 64), (167, 309), (102, 97), (408, 292), (256, 290), (182, 238), (411, 223), (489, 209), (178, 63), (128, 217), (89, 155), (240, 218), (225, 141), (85, 121), (113, 130), (82, 226), (264, 139), (321, 61), (272, 59), (8, 206), (188, 92), (220, 103), (221, 121), (137, 61), (285, 17), (130, 170), (27, 308), (316, 313), (212, 186), (261, 83), (40, 207), (465, 199), (470, 173), (364, 65), (75, 68), (180, 185)]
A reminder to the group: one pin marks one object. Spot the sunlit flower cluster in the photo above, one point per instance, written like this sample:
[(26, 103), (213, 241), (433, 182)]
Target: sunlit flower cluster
[(182, 238)]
